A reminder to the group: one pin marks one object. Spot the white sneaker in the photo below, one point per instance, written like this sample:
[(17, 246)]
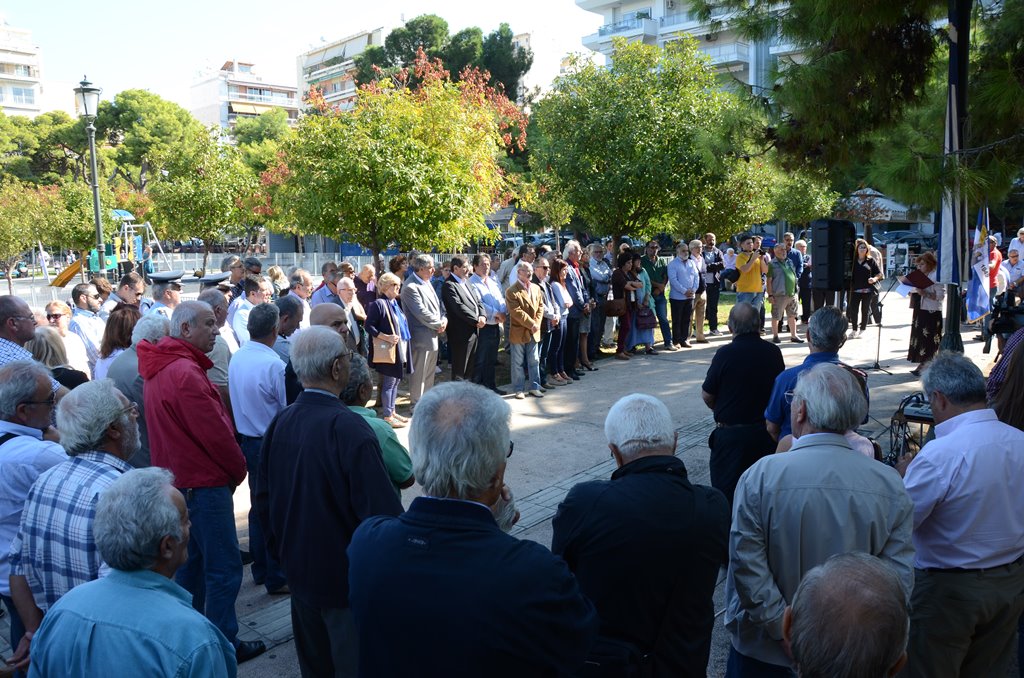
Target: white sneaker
[(856, 334), (536, 393), (520, 395)]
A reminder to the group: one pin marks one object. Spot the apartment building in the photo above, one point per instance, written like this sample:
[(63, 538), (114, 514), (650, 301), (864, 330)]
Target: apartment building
[(20, 72), (657, 22), (331, 67), (237, 90)]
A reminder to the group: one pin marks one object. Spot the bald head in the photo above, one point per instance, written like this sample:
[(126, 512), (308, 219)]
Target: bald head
[(329, 315), (744, 318)]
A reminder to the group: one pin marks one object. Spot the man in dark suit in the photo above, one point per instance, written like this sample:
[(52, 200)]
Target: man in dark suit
[(466, 315), (461, 597), (425, 315), (648, 518), (321, 473)]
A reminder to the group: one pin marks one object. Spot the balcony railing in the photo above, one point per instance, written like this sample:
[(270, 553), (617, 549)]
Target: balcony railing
[(737, 52), (286, 102), (623, 26)]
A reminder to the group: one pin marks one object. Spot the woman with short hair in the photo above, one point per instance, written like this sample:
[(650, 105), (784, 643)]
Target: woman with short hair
[(385, 322)]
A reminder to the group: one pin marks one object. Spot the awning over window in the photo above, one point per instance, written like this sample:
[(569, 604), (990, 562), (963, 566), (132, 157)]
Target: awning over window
[(243, 108)]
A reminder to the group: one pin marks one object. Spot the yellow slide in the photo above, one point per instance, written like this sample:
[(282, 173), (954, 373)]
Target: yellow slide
[(65, 276)]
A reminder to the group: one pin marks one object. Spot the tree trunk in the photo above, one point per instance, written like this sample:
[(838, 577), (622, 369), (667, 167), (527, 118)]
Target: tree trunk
[(869, 233), (10, 282), (206, 254)]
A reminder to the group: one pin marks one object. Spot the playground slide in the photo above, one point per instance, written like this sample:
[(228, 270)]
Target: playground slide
[(65, 276)]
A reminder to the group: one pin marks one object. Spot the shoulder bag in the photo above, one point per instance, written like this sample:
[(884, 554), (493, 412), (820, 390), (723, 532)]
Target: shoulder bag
[(384, 352)]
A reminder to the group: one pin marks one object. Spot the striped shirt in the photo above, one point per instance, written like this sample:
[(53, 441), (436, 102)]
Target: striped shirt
[(10, 352), (54, 548)]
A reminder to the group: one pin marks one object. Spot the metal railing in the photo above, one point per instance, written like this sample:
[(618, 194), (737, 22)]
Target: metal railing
[(263, 99)]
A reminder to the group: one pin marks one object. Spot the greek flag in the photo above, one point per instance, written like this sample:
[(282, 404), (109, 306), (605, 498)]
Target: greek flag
[(978, 302), (953, 215)]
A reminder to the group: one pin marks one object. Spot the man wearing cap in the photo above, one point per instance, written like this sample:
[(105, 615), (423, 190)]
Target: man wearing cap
[(166, 293)]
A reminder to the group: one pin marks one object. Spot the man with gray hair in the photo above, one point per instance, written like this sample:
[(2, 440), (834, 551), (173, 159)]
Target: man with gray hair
[(793, 511), (580, 310), (54, 549), (968, 527), (233, 265), (848, 619), (320, 473), (426, 319), (649, 517), (191, 434), (511, 605), (826, 334), (124, 372), (737, 387), (141, 530), (224, 345), (28, 446), (256, 383), (300, 287)]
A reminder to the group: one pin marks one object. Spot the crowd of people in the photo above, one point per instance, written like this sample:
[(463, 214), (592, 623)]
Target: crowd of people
[(119, 468)]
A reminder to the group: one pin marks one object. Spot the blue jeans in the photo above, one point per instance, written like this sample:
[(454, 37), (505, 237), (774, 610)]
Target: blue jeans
[(388, 394), (265, 568), (17, 627), (661, 310), (525, 352), (755, 299), (486, 354), (213, 573)]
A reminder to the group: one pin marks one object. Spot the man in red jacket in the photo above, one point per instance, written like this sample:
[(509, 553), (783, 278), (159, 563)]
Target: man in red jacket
[(190, 433)]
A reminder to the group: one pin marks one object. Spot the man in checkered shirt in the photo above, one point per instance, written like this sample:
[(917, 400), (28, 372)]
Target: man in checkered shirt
[(54, 550), (17, 327)]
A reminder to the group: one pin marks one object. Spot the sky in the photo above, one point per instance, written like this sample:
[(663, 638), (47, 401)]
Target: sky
[(126, 44)]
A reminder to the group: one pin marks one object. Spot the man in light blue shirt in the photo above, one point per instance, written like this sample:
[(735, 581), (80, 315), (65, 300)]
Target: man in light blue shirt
[(683, 281), (135, 621), (25, 452), (493, 301), (968, 530), (85, 320)]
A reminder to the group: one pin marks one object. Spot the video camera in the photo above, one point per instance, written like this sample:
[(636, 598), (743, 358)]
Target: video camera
[(1005, 319)]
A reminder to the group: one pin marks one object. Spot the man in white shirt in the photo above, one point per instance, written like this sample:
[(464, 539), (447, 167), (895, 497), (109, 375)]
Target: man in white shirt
[(493, 300), (1017, 244), (85, 320), (256, 384), (968, 527), (1014, 268), (257, 291)]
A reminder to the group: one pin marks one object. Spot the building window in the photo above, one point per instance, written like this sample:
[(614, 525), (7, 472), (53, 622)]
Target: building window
[(23, 70), (24, 95)]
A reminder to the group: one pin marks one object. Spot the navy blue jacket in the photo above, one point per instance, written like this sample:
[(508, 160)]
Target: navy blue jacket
[(635, 539), (320, 475), (441, 591)]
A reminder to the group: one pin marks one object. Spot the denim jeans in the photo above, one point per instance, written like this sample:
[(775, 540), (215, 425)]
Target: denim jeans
[(755, 299), (661, 310), (17, 627), (486, 354), (556, 348), (213, 573), (388, 394), (528, 352), (265, 568)]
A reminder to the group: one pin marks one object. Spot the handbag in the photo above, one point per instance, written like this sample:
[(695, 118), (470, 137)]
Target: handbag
[(384, 352), (731, 275), (645, 318), (615, 308)]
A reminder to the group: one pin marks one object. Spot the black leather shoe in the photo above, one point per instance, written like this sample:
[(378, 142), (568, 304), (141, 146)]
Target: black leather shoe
[(249, 649)]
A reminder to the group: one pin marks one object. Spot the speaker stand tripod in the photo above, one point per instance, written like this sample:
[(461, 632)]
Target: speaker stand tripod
[(878, 342)]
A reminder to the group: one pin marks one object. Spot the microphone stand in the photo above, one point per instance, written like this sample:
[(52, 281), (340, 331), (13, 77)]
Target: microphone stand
[(878, 342)]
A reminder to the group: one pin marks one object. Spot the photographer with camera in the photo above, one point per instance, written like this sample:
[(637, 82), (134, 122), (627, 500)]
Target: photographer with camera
[(752, 265)]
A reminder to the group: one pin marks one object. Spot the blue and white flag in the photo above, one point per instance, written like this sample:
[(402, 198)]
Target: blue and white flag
[(952, 217), (978, 302)]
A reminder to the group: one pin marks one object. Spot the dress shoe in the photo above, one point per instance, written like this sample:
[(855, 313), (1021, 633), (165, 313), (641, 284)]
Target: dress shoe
[(796, 340), (702, 340), (394, 423), (280, 591), (249, 649), (715, 333), (621, 356), (686, 344)]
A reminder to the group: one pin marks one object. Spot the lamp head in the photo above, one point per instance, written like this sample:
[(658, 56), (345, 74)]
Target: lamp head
[(87, 99)]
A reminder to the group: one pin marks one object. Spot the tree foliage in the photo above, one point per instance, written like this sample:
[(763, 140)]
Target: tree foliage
[(142, 129), (259, 139), (629, 146), (205, 191), (496, 54), (419, 168)]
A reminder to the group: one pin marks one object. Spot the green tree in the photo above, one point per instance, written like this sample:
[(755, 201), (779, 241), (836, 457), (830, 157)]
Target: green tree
[(802, 197), (20, 212), (205, 191), (416, 168), (259, 139), (506, 62), (143, 130), (464, 50), (370, 63), (428, 32), (629, 146)]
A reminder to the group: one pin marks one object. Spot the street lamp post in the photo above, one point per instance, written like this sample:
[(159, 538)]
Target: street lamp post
[(88, 98)]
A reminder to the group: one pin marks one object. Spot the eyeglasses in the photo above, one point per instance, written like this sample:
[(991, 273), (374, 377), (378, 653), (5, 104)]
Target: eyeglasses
[(54, 316), (95, 296), (132, 407), (343, 354), (24, 317), (511, 446), (48, 402)]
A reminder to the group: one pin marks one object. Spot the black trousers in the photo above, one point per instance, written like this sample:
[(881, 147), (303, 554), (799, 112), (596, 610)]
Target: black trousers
[(572, 342), (806, 302), (486, 355), (682, 314), (326, 641), (463, 356), (859, 301), (734, 449), (713, 290)]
